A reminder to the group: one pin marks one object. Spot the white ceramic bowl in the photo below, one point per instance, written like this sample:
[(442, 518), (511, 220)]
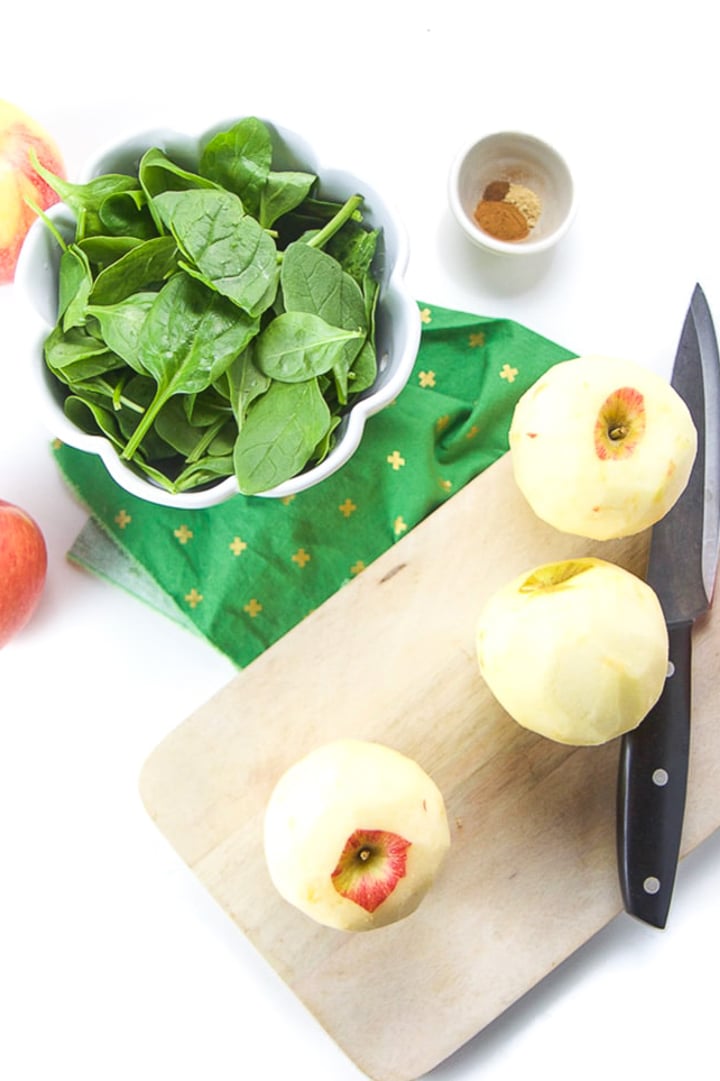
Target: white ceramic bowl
[(518, 158), (397, 330)]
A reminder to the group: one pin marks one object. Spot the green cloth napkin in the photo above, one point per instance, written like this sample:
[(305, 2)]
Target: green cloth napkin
[(245, 572)]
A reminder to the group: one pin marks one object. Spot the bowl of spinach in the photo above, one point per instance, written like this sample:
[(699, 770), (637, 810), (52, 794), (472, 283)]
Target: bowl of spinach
[(217, 314)]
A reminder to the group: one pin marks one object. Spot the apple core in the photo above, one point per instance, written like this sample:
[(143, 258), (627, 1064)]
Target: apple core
[(553, 575), (620, 425), (370, 867)]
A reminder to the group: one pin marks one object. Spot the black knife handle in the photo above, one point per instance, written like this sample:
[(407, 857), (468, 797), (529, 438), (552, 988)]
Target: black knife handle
[(652, 783)]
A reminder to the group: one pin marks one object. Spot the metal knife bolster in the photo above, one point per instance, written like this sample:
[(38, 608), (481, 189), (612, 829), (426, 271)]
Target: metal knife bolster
[(652, 784)]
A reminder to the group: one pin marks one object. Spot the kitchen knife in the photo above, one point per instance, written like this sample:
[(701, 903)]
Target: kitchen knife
[(652, 779)]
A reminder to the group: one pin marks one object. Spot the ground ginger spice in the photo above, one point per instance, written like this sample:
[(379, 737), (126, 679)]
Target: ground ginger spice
[(507, 211)]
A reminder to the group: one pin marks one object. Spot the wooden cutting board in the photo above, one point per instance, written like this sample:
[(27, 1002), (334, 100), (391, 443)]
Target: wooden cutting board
[(531, 874)]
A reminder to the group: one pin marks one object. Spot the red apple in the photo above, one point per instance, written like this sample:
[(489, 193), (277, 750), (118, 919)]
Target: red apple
[(23, 565), (18, 180)]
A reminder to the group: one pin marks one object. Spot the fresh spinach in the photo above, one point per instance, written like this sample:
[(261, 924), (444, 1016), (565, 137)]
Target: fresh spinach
[(239, 160), (296, 346), (121, 323), (189, 337), (127, 214), (279, 435), (146, 264), (85, 200), (245, 383), (75, 281), (281, 193), (89, 416), (74, 355), (104, 250), (227, 249), (158, 174), (315, 282), (214, 317)]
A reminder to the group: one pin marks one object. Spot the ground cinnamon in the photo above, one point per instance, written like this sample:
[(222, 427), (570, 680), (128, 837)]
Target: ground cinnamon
[(501, 220), (507, 211)]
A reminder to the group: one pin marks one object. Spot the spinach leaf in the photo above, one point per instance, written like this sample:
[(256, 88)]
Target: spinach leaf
[(89, 196), (91, 417), (74, 284), (355, 248), (172, 425), (189, 337), (206, 471), (245, 383), (145, 265), (297, 345), (217, 439), (75, 354), (223, 442), (279, 434), (326, 443), (239, 160), (230, 250), (204, 407), (157, 174), (364, 370), (103, 250), (112, 391), (313, 281), (190, 439), (281, 193), (127, 213), (121, 324), (85, 200)]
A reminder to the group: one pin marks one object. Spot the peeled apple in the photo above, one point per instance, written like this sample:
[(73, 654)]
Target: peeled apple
[(601, 447), (354, 834), (576, 651)]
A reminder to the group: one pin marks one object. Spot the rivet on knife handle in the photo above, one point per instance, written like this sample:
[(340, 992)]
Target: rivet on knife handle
[(651, 791)]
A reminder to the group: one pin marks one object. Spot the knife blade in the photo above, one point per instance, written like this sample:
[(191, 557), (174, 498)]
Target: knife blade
[(653, 766)]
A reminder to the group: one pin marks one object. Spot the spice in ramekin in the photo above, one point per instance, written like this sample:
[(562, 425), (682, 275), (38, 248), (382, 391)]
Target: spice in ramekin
[(508, 211)]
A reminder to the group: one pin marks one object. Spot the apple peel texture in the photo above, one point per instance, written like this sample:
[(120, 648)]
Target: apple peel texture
[(22, 190), (23, 569), (370, 867)]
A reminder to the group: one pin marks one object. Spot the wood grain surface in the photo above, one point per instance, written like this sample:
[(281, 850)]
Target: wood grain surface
[(531, 873)]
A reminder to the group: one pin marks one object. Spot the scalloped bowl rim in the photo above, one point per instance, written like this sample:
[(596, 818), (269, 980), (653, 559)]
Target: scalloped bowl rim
[(394, 299)]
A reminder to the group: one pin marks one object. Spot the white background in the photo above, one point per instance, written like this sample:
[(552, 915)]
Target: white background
[(114, 963)]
